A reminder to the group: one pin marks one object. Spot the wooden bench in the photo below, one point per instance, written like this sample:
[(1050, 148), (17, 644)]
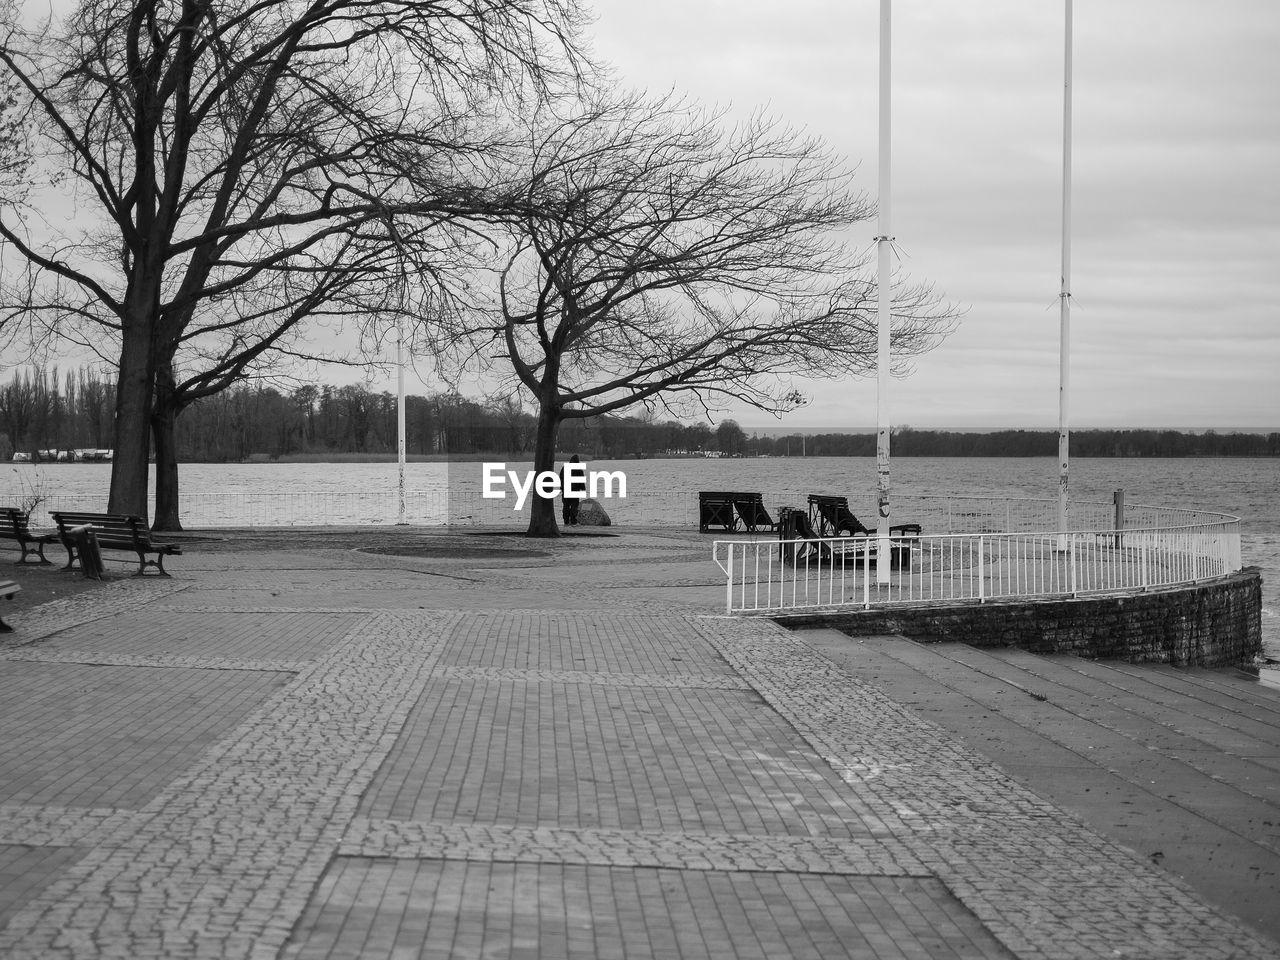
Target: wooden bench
[(7, 589), (13, 526), (114, 532)]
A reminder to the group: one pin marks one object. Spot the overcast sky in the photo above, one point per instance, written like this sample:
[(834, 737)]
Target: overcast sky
[(1176, 238), (1176, 202)]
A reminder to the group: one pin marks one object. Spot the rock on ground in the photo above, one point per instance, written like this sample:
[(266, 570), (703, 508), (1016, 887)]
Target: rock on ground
[(591, 514)]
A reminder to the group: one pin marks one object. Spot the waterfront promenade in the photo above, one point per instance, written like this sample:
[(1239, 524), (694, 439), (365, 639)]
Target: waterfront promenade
[(465, 745)]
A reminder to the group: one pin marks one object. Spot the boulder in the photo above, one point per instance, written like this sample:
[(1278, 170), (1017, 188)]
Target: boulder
[(591, 514)]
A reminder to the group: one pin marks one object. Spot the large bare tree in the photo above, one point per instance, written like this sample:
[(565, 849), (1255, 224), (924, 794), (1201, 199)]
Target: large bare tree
[(669, 257), (221, 153)]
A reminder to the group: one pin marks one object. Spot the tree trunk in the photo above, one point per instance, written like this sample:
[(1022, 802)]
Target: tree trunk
[(132, 433), (542, 511), (163, 420)]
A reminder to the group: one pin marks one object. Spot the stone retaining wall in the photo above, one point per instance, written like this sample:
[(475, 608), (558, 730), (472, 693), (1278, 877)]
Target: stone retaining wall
[(1210, 625)]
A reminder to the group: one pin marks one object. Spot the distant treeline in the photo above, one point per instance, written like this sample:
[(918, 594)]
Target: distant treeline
[(43, 410), (907, 442)]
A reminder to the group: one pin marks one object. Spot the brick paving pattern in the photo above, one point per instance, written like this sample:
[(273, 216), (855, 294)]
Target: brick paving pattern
[(447, 909), (320, 758), (26, 869), (123, 736), (1036, 878), (266, 636)]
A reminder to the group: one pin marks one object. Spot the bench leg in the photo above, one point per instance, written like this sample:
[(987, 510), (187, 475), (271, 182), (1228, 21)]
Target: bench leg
[(37, 549), (158, 563)]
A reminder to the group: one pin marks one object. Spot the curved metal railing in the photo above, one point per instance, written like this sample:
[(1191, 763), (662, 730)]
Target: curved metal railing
[(1141, 548)]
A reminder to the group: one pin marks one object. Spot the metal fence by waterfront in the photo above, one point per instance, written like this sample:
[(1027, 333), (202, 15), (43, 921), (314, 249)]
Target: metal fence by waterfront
[(1132, 549)]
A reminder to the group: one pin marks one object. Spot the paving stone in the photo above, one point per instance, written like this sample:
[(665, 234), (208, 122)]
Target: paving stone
[(624, 757), (372, 908), (26, 869), (498, 775), (239, 839), (51, 826), (81, 735), (401, 839), (676, 681), (117, 596), (596, 643), (1029, 871), (209, 634)]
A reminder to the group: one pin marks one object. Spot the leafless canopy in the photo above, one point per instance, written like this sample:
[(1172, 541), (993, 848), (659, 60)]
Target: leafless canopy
[(238, 167), (668, 256)]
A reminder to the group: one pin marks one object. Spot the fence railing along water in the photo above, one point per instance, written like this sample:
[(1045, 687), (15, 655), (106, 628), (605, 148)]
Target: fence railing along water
[(972, 548), (277, 506), (1125, 549)]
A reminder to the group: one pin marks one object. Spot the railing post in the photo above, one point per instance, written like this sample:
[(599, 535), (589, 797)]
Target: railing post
[(1071, 560), (728, 591), (866, 575), (982, 569)]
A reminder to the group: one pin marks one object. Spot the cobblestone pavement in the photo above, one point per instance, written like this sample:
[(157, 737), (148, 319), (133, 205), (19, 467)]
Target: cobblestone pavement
[(328, 753)]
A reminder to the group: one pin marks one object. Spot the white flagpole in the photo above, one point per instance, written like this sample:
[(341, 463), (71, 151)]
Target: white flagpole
[(1064, 299), (884, 305), (400, 445)]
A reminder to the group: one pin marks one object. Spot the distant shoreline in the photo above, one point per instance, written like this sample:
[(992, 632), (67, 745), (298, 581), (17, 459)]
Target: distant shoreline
[(527, 457)]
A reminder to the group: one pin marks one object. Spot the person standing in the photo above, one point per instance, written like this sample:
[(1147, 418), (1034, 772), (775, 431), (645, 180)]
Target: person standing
[(572, 499)]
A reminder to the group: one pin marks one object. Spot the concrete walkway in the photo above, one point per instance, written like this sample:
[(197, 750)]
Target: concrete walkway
[(468, 746)]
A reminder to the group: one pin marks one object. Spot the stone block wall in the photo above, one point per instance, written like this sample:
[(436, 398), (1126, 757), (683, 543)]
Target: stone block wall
[(1208, 625)]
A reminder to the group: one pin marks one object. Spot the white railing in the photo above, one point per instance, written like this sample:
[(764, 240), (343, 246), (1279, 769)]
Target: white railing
[(763, 575)]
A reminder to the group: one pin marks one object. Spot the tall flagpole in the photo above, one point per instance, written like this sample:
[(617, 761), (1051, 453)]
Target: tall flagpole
[(1064, 299), (400, 444), (884, 305)]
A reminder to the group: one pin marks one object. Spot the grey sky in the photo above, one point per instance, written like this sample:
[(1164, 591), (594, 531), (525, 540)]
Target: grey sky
[(1176, 240)]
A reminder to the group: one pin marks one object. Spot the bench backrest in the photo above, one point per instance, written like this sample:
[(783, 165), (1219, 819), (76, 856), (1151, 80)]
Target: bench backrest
[(107, 526), (16, 520)]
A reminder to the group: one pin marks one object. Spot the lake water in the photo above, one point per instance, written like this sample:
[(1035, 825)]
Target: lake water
[(664, 492)]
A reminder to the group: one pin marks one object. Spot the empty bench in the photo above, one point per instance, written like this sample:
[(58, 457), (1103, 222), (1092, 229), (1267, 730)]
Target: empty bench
[(14, 526), (114, 532)]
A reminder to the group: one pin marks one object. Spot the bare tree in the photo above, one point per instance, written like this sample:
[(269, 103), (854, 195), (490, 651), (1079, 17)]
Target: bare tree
[(266, 325), (666, 258), (218, 150), (15, 143)]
